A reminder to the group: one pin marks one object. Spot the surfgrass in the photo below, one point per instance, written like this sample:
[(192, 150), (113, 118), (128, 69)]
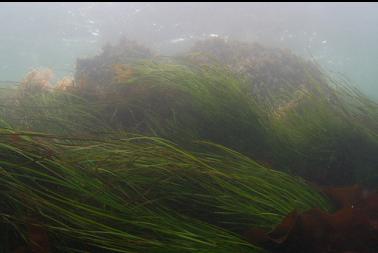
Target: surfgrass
[(143, 194)]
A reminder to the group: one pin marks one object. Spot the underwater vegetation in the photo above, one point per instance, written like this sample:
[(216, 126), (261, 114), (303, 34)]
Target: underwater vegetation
[(224, 148), (94, 74), (266, 103), (276, 77), (141, 194)]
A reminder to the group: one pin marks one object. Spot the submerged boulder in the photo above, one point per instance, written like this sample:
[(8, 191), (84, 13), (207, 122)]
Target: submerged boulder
[(276, 77), (94, 74)]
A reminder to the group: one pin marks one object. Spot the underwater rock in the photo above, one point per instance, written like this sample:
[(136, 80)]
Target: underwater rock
[(98, 72), (274, 75)]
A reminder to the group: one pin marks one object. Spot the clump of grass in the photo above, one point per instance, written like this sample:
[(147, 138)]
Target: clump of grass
[(181, 100), (318, 126), (142, 194), (50, 111), (330, 139)]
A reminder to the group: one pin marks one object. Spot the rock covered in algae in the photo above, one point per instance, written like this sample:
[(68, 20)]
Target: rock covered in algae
[(98, 72), (275, 75)]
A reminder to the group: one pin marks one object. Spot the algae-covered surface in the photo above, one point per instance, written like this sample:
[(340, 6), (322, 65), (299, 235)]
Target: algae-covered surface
[(198, 152)]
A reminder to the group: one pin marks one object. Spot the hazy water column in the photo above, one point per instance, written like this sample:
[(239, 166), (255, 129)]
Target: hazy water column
[(341, 36)]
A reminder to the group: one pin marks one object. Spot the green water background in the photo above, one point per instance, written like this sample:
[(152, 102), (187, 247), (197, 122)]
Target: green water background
[(343, 37)]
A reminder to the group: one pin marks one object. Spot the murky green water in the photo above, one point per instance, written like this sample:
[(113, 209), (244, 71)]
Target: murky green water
[(342, 36)]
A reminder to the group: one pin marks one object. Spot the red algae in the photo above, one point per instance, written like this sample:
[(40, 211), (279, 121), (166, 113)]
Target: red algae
[(353, 228)]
